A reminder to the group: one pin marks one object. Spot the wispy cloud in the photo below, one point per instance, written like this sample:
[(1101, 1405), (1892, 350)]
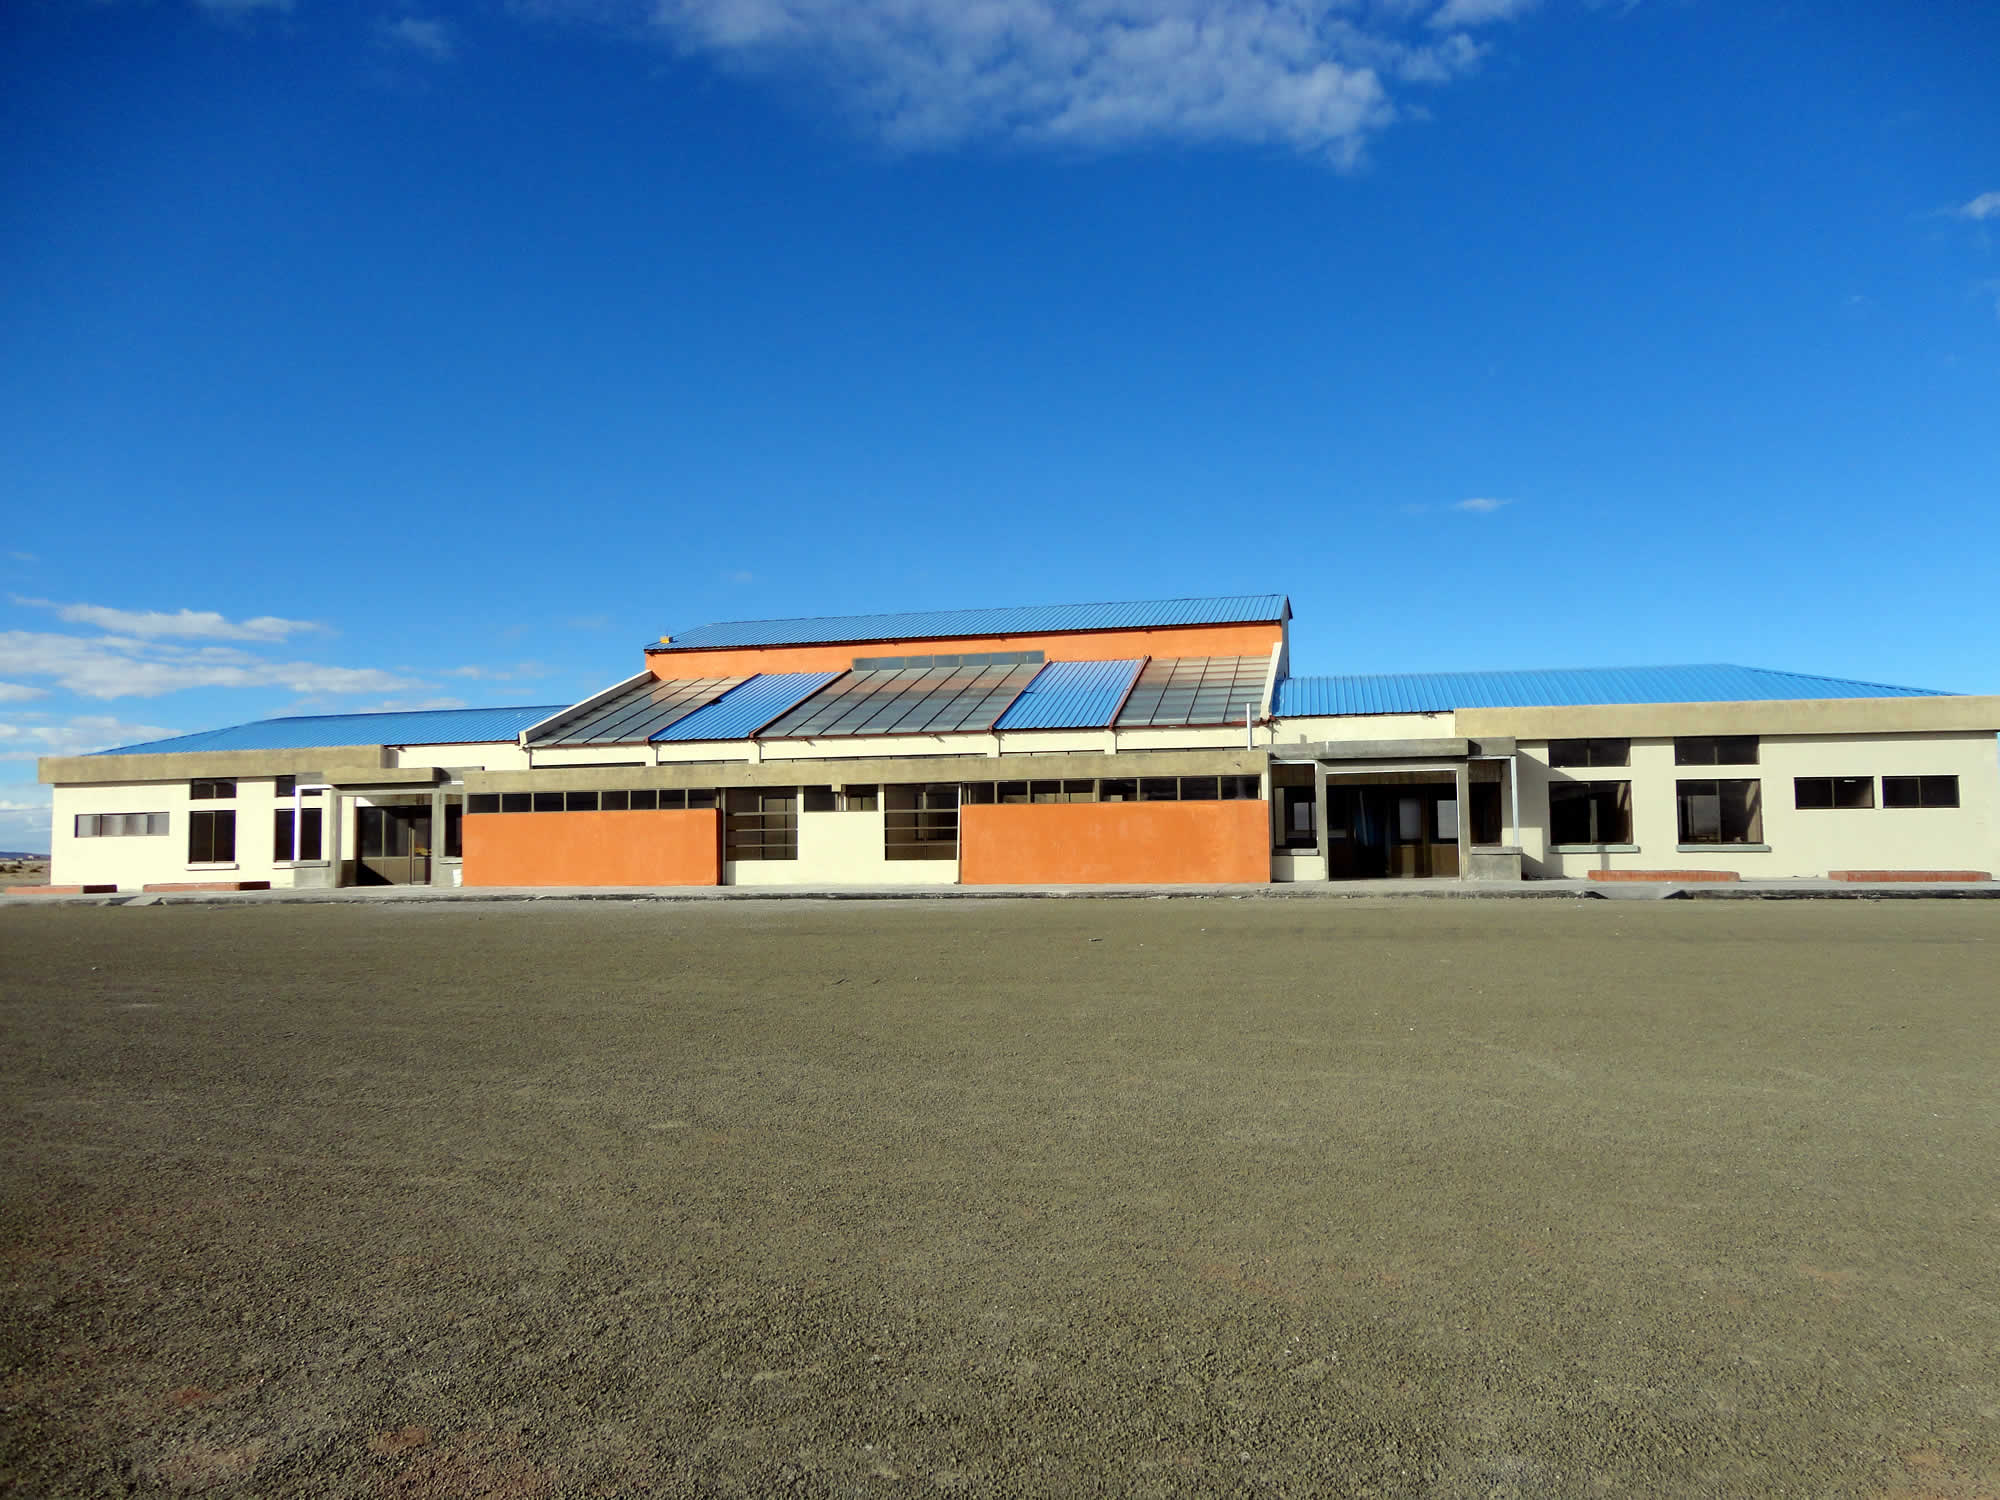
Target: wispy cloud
[(1480, 505), (81, 735), (406, 705), (1313, 75), (193, 624), (1457, 13), (1985, 206), (517, 671), (427, 38), (19, 692), (113, 666), (22, 557)]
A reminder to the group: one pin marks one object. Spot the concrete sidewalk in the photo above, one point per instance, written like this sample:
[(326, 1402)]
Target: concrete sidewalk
[(1349, 890)]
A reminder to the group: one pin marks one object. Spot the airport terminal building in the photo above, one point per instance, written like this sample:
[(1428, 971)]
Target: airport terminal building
[(1163, 741)]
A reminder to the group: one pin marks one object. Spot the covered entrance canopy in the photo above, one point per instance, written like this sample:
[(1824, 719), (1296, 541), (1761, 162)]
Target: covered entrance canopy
[(1398, 809), (406, 827)]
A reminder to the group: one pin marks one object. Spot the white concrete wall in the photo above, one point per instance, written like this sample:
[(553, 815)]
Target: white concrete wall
[(1359, 727), (841, 848), (130, 863), (1802, 843)]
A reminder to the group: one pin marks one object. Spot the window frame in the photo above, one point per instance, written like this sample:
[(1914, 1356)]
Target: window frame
[(212, 836), (1590, 753), (1591, 793), (1708, 750), (1833, 786), (1754, 819), (1930, 792)]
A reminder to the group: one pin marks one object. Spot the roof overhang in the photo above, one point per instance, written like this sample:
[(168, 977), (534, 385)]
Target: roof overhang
[(183, 765)]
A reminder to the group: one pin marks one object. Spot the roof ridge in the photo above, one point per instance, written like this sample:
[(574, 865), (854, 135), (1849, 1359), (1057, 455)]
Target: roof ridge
[(977, 609)]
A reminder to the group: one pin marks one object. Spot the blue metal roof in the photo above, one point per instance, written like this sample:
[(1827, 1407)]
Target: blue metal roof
[(1437, 692), (438, 726), (1072, 695), (743, 711), (946, 623)]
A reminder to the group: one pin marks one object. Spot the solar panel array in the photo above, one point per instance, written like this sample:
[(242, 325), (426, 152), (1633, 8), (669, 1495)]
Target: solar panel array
[(934, 700), (1195, 690), (637, 713)]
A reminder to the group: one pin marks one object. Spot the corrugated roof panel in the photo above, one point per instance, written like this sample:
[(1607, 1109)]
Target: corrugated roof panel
[(1568, 687), (441, 726), (1072, 695), (944, 624), (741, 712), (636, 714)]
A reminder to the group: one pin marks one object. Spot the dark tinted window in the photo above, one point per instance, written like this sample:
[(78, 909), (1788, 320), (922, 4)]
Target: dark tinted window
[(1920, 791)]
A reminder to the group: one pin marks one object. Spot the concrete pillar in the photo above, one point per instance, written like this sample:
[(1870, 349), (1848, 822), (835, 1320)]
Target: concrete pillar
[(438, 800), (330, 835), (1319, 813), (1462, 784)]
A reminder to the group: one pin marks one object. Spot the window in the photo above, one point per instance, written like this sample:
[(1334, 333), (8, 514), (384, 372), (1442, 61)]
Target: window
[(614, 801), (1586, 812), (861, 798), (820, 799), (281, 835), (1118, 790), (1486, 819), (763, 823), (1591, 753), (1721, 812), (1810, 792), (977, 794), (454, 831), (212, 838), (211, 790), (642, 799), (920, 822), (1920, 791), (1242, 788), (579, 802), (546, 801), (285, 786), (1716, 750), (1159, 789), (120, 825)]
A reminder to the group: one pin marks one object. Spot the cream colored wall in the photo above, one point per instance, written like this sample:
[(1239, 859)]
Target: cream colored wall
[(845, 848), (130, 863), (1291, 867), (1802, 844), (1359, 727), (503, 756)]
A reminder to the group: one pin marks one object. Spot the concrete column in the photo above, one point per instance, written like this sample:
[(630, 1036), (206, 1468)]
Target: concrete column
[(1319, 813), (1462, 785), (330, 835), (437, 837)]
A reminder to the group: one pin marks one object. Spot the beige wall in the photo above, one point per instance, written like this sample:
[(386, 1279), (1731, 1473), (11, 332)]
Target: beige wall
[(1306, 731), (1801, 843), (130, 863)]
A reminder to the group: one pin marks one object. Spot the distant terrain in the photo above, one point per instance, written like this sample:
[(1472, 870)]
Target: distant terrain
[(21, 854)]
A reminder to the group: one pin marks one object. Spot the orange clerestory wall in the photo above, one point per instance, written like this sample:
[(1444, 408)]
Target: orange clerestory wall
[(1115, 843), (1085, 645), (593, 848)]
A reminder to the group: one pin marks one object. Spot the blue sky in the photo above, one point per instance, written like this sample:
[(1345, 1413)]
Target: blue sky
[(358, 355)]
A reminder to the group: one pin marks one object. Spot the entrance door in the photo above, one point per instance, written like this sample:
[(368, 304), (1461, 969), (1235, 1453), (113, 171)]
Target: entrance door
[(1407, 831), (395, 846)]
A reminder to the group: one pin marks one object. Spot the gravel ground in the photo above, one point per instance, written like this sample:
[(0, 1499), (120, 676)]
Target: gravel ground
[(1069, 1198)]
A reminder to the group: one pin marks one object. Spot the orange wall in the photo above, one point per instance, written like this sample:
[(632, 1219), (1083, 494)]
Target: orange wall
[(1115, 843), (1089, 645), (593, 848)]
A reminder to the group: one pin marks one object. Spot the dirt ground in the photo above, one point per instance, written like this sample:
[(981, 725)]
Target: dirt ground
[(1192, 1197)]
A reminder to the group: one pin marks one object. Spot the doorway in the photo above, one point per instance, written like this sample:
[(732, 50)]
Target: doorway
[(394, 845), (1406, 831)]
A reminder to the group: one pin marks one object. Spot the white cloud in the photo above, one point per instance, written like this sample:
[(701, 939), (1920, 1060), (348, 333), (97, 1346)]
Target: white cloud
[(520, 669), (19, 692), (406, 705), (199, 624), (430, 38), (1456, 13), (22, 557), (1985, 206), (1479, 505), (126, 667), (82, 735), (1308, 74)]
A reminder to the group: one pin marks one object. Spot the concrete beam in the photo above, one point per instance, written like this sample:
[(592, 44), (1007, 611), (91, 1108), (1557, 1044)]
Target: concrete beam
[(186, 765), (1972, 713), (1077, 765), (1439, 749)]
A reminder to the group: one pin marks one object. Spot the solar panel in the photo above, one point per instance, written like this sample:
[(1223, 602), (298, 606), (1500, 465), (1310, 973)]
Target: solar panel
[(924, 700), (1195, 690), (638, 713)]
